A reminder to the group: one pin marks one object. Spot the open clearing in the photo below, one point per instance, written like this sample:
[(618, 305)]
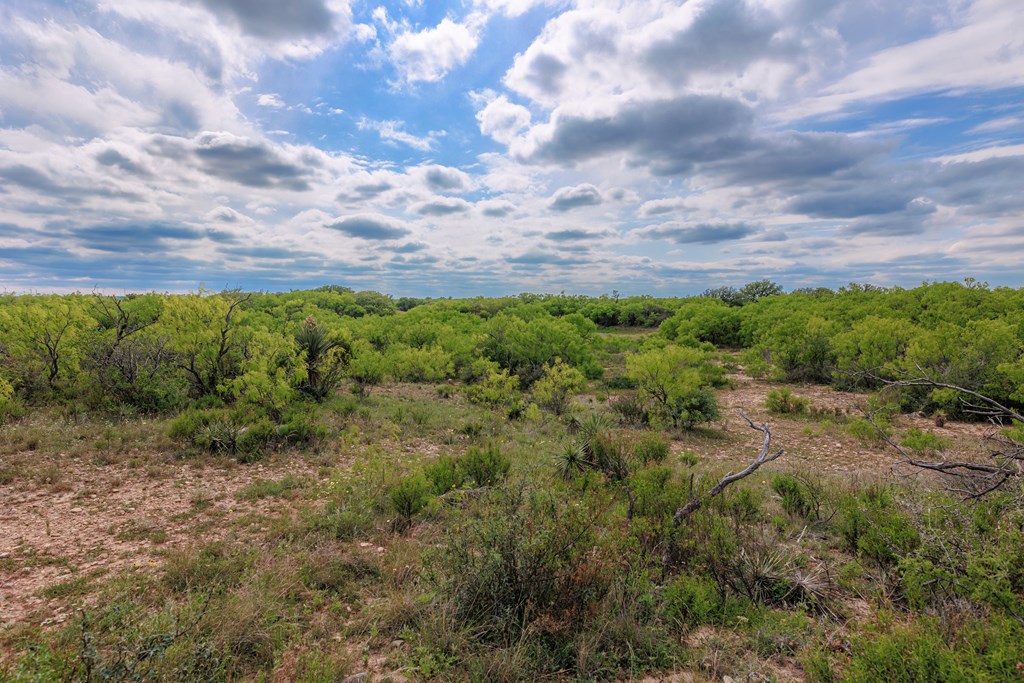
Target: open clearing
[(70, 520)]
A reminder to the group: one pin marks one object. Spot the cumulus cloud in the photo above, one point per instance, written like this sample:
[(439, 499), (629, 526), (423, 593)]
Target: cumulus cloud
[(272, 100), (430, 54), (701, 233), (276, 20), (371, 226), (442, 206), (568, 198), (443, 178), (249, 163), (669, 136), (578, 235), (658, 207), (393, 131), (496, 208), (499, 118)]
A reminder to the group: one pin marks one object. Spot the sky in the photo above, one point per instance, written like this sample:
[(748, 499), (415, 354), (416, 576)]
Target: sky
[(490, 147)]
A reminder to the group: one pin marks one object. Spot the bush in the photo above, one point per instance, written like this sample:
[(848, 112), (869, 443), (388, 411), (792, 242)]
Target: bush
[(444, 474), (651, 448), (408, 497), (497, 389), (531, 559), (485, 466), (696, 408), (921, 441), (870, 524), (796, 499), (785, 402), (631, 410), (554, 390), (984, 651)]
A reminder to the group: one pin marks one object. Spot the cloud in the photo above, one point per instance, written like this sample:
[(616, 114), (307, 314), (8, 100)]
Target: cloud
[(392, 131), (701, 233), (669, 137), (568, 198), (443, 178), (248, 162), (499, 118), (371, 226), (578, 235), (112, 157), (535, 257), (985, 52), (430, 54), (721, 37), (410, 247), (277, 20), (658, 207), (132, 237), (272, 100), (442, 206), (496, 208)]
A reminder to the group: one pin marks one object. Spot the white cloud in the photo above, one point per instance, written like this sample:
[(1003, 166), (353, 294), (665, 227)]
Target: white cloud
[(272, 100), (499, 118), (393, 131), (982, 154), (986, 52), (430, 54)]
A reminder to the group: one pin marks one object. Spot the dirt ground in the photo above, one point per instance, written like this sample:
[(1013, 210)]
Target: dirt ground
[(99, 519), (817, 443), (102, 519)]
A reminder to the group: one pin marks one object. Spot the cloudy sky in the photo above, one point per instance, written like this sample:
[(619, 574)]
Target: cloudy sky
[(499, 146)]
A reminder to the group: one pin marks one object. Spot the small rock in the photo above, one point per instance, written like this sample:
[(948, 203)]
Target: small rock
[(726, 679), (356, 678), (397, 643), (76, 509)]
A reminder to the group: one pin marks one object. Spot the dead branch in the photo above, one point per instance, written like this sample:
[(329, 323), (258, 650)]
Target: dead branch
[(764, 456), (970, 479)]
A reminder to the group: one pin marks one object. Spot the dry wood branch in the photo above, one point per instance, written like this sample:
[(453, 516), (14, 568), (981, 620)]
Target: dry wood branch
[(764, 456), (969, 479)]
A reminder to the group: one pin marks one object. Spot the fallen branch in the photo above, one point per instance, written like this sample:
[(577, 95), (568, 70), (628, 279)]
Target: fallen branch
[(974, 479), (764, 456)]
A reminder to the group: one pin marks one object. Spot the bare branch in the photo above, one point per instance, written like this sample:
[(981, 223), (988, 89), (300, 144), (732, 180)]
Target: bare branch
[(973, 479), (764, 456)]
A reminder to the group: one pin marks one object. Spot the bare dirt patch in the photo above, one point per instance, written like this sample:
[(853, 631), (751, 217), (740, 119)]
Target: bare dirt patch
[(815, 443), (104, 519)]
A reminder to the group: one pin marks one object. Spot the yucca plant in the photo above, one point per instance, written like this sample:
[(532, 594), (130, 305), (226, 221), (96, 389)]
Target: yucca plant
[(327, 355)]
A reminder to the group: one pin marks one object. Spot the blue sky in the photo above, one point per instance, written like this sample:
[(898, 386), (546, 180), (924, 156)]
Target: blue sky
[(499, 146)]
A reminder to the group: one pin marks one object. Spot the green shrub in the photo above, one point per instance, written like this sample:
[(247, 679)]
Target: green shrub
[(497, 388), (696, 408), (983, 651), (485, 466), (444, 474), (302, 429), (409, 496), (796, 499), (651, 448), (867, 433), (921, 442), (785, 402), (871, 525), (554, 390)]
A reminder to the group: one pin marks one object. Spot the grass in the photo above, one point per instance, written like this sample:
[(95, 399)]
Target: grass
[(524, 573)]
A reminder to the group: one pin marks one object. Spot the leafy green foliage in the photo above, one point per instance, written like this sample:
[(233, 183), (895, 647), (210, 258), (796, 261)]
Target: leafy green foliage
[(673, 382), (554, 390), (485, 466), (785, 402)]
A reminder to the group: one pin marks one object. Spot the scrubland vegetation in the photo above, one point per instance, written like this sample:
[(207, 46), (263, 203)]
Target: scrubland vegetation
[(490, 489)]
